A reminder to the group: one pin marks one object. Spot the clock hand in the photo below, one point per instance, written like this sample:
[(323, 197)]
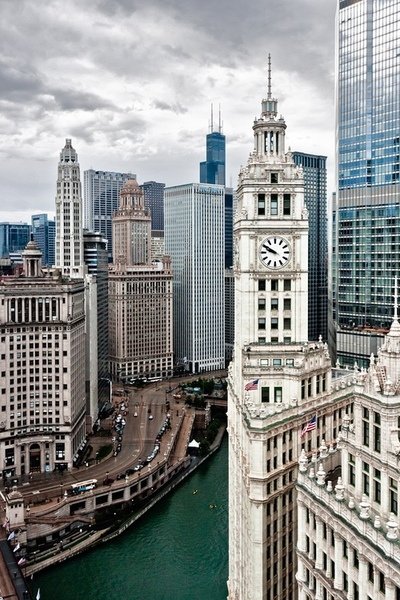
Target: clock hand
[(271, 250)]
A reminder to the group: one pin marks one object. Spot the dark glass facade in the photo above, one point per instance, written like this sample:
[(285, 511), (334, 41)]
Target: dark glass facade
[(228, 228), (314, 169), (366, 219), (212, 170), (44, 233), (96, 261), (101, 201), (13, 238), (154, 201)]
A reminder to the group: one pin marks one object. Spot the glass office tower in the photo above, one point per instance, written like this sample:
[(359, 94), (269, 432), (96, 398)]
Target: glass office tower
[(366, 215), (44, 234), (101, 201), (212, 170), (314, 170), (13, 238), (154, 201)]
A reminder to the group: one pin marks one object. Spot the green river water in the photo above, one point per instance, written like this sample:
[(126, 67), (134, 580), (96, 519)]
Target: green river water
[(177, 551)]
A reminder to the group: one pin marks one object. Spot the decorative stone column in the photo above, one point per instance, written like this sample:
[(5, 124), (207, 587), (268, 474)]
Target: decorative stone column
[(362, 577), (301, 527), (319, 561), (338, 581)]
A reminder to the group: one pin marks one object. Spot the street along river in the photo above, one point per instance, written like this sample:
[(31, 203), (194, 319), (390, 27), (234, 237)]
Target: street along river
[(177, 551)]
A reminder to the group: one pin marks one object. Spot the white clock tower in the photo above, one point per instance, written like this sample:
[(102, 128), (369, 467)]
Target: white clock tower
[(277, 379)]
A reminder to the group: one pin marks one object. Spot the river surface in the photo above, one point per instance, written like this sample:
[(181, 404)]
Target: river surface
[(177, 551)]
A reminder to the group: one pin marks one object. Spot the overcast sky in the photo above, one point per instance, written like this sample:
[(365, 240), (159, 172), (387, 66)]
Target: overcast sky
[(131, 82)]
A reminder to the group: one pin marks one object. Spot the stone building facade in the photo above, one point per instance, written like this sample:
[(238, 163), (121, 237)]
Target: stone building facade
[(140, 295), (42, 369)]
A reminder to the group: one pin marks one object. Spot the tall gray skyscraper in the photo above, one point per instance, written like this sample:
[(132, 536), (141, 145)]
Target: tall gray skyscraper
[(69, 239), (154, 201), (314, 171), (44, 233), (101, 201), (194, 238), (366, 219)]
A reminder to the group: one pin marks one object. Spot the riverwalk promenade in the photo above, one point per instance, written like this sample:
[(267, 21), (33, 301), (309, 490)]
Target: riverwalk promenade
[(68, 522)]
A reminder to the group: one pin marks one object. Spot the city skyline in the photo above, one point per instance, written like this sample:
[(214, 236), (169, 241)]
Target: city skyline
[(142, 113)]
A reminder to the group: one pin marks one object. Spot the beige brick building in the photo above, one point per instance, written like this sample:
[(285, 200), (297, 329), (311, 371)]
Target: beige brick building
[(140, 295)]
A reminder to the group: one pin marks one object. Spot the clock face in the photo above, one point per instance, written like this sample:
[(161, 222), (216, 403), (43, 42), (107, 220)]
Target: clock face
[(275, 252)]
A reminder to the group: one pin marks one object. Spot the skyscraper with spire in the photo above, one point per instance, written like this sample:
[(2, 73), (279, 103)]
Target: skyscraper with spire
[(278, 381), (212, 170), (69, 231)]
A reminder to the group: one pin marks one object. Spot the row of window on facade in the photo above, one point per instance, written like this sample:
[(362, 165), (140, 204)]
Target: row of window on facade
[(268, 204), (276, 285)]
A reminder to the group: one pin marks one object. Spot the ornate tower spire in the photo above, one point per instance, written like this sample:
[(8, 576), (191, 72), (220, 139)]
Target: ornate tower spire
[(269, 130)]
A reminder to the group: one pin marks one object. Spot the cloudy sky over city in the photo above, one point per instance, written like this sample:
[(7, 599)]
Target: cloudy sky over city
[(131, 82)]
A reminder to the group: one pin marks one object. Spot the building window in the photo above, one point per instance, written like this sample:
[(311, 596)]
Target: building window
[(277, 362), (377, 486), (287, 324), (371, 572), (274, 304), (287, 304), (261, 285), (377, 432), (352, 470), (261, 323), (286, 204), (278, 394), (261, 304), (274, 177), (265, 394), (393, 496), (274, 285), (274, 204), (274, 323), (366, 478), (261, 205), (382, 582), (287, 285)]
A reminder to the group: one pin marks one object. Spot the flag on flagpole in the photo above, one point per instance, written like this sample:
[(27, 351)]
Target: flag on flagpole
[(11, 536), (310, 426), (252, 385), (21, 562), (17, 547), (38, 594)]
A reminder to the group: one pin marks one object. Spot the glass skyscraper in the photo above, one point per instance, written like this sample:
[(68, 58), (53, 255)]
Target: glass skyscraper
[(366, 214), (314, 170), (13, 238), (154, 201), (101, 201), (44, 233), (212, 170)]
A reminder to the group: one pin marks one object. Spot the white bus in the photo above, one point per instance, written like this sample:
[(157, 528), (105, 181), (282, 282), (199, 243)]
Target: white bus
[(83, 486)]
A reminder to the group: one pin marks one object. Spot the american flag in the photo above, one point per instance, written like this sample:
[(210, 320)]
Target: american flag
[(310, 426), (252, 385)]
